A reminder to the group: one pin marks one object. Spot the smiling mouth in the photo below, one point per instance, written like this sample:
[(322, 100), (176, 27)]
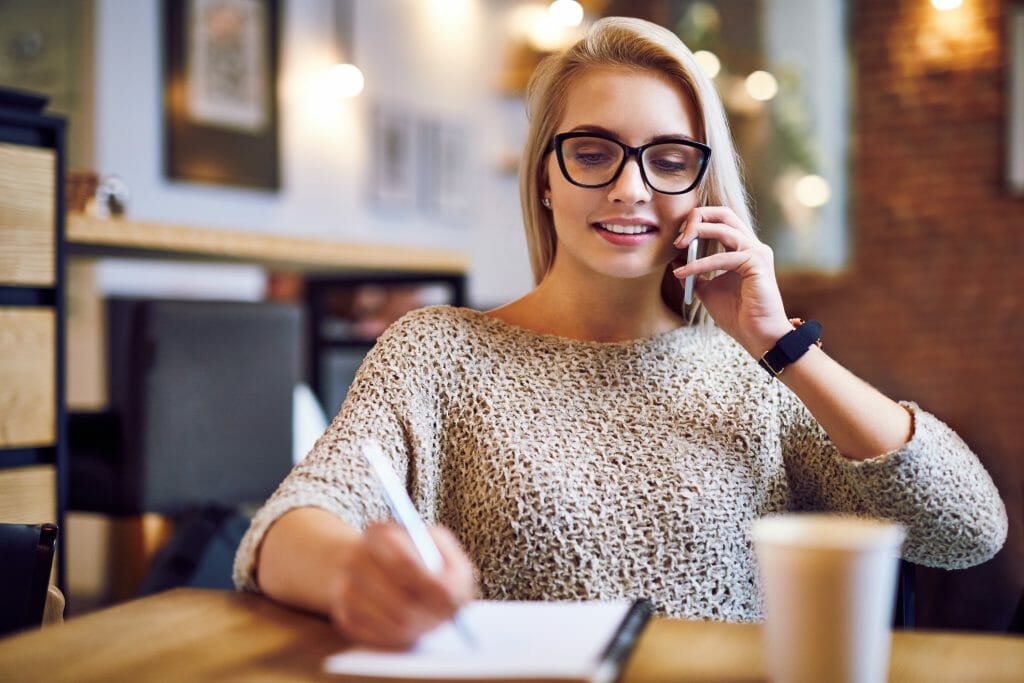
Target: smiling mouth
[(627, 229)]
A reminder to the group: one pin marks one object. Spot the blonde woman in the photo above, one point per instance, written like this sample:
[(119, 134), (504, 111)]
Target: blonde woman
[(593, 439)]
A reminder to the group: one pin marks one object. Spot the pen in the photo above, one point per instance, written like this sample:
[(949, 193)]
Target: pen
[(405, 514)]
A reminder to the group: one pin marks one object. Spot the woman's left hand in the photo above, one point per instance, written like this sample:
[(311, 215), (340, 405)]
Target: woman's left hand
[(744, 300)]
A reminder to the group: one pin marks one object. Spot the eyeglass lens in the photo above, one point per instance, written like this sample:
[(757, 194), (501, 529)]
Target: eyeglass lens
[(669, 167)]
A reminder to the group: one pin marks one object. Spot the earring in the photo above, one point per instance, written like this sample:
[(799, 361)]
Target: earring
[(546, 201)]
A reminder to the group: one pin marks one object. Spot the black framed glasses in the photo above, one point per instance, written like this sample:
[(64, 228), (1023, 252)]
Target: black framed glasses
[(667, 166)]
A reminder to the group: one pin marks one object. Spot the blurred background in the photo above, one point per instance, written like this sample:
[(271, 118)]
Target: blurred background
[(309, 170)]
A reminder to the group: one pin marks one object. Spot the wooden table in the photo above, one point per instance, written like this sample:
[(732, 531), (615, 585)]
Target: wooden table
[(202, 635)]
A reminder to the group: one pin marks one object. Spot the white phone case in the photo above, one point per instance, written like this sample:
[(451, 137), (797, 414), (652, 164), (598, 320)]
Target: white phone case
[(691, 255)]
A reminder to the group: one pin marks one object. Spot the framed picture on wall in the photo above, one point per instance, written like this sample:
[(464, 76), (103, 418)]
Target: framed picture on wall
[(393, 158), (1015, 101), (444, 146), (220, 92)]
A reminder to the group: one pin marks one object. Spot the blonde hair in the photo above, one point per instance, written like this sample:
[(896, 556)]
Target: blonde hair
[(636, 44)]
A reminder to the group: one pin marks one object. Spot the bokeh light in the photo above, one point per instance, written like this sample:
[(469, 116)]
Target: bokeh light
[(566, 12), (812, 191), (761, 85), (347, 80), (709, 62)]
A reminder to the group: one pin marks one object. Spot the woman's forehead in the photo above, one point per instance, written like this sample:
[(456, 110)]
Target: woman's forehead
[(629, 102)]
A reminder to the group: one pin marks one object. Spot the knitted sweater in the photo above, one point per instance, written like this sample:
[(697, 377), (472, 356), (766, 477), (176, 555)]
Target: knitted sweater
[(583, 470)]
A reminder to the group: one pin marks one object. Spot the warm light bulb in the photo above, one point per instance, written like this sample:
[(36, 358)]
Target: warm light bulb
[(545, 35), (566, 12), (812, 191), (347, 80), (945, 5), (761, 85), (708, 62)]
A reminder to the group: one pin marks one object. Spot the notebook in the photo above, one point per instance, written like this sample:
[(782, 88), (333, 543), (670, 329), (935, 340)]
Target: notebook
[(515, 641)]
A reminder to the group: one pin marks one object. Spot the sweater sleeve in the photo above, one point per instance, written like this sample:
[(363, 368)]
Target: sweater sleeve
[(393, 399), (934, 485)]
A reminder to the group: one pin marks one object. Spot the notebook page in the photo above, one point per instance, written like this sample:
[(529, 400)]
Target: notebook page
[(514, 640)]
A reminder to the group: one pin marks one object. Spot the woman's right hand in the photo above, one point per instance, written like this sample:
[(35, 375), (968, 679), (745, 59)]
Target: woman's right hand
[(386, 597)]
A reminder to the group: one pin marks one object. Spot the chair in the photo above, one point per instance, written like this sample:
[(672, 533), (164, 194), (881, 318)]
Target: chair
[(27, 560), (1017, 623), (200, 414), (200, 408), (905, 611), (200, 553)]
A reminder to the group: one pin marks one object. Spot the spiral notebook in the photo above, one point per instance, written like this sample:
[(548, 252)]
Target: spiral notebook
[(515, 641)]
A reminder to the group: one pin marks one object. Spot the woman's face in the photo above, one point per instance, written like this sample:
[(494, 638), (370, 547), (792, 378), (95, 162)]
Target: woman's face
[(634, 107)]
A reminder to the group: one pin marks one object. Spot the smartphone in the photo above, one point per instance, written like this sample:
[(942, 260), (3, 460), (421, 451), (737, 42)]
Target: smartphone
[(691, 255)]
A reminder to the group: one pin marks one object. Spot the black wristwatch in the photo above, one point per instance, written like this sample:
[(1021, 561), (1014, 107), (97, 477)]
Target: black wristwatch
[(791, 347)]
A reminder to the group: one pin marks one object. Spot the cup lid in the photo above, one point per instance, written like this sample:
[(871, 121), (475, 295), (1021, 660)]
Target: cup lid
[(836, 531)]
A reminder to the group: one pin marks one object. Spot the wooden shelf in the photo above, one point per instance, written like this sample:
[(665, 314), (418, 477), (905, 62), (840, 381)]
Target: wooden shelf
[(117, 236)]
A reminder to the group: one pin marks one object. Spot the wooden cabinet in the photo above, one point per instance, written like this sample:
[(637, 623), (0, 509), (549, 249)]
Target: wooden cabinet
[(27, 376), (32, 417), (27, 211)]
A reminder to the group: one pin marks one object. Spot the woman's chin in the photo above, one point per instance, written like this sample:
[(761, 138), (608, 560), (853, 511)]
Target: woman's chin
[(630, 271)]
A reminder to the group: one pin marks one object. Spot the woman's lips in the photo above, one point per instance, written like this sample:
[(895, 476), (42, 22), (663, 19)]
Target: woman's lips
[(624, 234)]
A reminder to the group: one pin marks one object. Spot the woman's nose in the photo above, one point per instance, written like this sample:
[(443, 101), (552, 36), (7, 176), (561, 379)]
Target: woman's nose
[(630, 187)]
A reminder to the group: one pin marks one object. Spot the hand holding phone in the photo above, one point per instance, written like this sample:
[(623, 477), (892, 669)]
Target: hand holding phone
[(691, 255)]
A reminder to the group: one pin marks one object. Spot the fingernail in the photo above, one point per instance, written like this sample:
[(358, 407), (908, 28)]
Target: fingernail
[(679, 270)]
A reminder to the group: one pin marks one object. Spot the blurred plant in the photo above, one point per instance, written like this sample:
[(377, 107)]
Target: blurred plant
[(773, 132)]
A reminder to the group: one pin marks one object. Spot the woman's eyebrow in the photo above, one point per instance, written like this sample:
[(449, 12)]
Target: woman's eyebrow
[(590, 128)]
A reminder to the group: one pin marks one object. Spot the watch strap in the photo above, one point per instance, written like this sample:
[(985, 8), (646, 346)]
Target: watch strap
[(791, 347)]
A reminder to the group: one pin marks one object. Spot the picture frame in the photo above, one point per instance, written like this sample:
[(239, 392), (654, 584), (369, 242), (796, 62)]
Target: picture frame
[(1015, 100), (444, 158), (220, 92), (393, 159)]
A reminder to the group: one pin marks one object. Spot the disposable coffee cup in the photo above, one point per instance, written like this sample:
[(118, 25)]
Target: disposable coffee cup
[(828, 583)]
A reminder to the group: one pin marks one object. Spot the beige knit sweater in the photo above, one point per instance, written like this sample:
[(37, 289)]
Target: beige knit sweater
[(580, 470)]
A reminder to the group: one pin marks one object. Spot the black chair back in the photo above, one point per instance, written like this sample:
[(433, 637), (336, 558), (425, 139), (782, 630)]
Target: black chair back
[(26, 559), (905, 612), (201, 408)]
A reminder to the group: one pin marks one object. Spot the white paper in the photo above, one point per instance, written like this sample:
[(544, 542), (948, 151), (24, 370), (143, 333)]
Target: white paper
[(514, 640)]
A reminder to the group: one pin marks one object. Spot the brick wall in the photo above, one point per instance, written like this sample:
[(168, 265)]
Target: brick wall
[(931, 308)]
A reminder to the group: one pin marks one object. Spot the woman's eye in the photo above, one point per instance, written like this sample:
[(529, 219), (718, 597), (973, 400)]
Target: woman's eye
[(591, 158), (669, 166)]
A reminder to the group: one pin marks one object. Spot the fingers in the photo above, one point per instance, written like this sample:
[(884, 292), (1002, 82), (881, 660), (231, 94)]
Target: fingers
[(727, 260), (359, 621), (371, 611), (395, 556), (715, 222), (744, 253), (372, 588), (459, 575), (741, 262), (730, 237), (386, 597)]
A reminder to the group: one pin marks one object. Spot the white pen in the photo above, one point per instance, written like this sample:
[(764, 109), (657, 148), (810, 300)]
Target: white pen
[(405, 514)]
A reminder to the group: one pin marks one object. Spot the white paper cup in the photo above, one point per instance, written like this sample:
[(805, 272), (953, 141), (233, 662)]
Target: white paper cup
[(829, 583)]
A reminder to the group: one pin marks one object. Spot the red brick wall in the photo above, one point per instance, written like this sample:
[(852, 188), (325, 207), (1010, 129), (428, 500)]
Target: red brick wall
[(932, 308)]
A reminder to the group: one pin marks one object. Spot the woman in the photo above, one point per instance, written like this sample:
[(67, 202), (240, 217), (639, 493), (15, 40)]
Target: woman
[(587, 441)]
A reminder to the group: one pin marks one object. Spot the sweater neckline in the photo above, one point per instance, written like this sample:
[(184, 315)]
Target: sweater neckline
[(662, 339)]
